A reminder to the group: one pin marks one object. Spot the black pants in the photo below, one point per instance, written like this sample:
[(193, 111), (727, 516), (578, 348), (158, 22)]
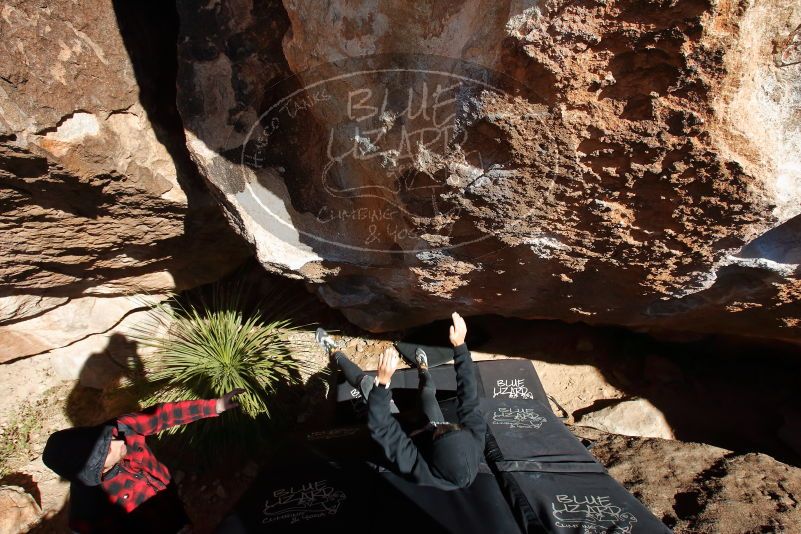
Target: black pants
[(365, 383), (91, 511)]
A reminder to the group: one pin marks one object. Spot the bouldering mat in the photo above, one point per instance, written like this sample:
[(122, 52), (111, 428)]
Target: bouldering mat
[(436, 355), (537, 477), (513, 379), (526, 430), (551, 482), (576, 502), (444, 378), (306, 491)]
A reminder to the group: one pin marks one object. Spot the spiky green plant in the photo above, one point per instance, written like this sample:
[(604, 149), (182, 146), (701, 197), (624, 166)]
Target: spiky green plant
[(202, 349)]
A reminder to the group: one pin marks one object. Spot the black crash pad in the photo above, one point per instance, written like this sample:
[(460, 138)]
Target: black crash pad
[(444, 378), (435, 355), (509, 379), (576, 502), (512, 379), (537, 478), (307, 492), (550, 480), (527, 431)]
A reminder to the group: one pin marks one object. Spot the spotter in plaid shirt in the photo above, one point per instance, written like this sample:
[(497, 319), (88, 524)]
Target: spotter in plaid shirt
[(115, 459), (139, 475)]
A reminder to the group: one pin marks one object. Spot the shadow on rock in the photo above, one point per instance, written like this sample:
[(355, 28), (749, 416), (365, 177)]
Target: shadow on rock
[(24, 481), (56, 523)]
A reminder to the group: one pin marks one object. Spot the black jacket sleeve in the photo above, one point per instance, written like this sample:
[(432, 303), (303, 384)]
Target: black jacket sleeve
[(467, 394), (387, 432)]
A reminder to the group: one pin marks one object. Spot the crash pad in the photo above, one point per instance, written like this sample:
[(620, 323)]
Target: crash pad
[(537, 477)]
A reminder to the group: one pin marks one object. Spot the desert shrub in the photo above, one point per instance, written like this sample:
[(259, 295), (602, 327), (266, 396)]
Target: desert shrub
[(205, 346)]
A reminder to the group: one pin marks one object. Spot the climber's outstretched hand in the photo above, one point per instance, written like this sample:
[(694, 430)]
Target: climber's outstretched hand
[(387, 363), (458, 330)]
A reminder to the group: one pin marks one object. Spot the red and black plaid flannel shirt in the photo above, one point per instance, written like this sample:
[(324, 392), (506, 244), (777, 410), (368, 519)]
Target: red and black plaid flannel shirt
[(139, 475)]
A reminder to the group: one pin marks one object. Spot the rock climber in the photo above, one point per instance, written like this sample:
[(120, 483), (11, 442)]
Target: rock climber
[(116, 482), (440, 454)]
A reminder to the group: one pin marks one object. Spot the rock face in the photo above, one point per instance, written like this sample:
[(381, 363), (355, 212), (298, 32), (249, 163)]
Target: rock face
[(610, 162), (697, 488), (18, 510), (630, 418), (99, 197)]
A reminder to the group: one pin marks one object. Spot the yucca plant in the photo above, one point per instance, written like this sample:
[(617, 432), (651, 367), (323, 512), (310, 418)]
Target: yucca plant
[(203, 348)]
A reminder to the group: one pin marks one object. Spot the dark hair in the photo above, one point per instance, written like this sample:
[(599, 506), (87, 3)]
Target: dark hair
[(445, 428), (78, 454)]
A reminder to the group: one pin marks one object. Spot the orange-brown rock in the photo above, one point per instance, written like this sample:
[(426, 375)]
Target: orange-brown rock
[(610, 162), (697, 488), (98, 196)]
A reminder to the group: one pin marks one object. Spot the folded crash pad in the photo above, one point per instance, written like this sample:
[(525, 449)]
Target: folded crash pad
[(510, 379), (352, 408), (444, 379)]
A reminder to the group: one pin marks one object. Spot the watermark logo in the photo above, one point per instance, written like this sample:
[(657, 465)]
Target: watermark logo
[(524, 418), (378, 154), (302, 503), (334, 433), (592, 513)]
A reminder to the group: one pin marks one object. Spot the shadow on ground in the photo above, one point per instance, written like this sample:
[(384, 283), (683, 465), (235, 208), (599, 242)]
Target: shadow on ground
[(97, 398)]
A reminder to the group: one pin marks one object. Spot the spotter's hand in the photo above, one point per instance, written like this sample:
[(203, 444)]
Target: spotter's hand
[(227, 402)]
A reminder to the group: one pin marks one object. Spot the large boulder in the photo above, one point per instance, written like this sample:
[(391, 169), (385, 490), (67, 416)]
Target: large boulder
[(636, 417), (697, 488), (99, 196), (623, 162)]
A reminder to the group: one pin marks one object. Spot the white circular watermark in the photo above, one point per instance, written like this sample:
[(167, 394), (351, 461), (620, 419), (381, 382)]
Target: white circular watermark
[(382, 159)]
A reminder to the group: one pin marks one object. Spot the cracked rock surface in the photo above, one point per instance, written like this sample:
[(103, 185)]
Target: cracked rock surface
[(630, 162), (98, 197), (703, 489)]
